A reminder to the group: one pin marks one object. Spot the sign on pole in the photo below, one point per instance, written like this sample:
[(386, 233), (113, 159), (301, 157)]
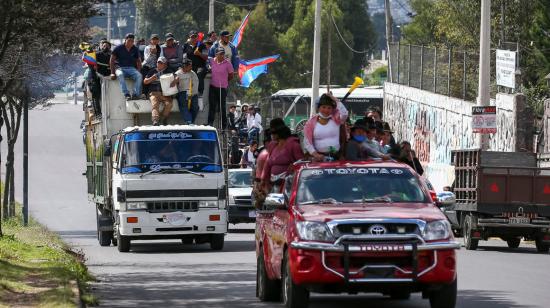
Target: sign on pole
[(484, 119), (506, 68)]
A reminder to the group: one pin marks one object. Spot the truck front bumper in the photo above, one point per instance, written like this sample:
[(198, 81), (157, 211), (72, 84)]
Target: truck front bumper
[(143, 223), (374, 260)]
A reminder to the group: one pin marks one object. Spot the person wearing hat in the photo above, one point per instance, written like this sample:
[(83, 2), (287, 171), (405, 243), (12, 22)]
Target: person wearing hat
[(222, 73), (353, 150), (172, 51), (188, 87), (125, 62), (230, 51), (322, 135), (152, 79), (196, 51)]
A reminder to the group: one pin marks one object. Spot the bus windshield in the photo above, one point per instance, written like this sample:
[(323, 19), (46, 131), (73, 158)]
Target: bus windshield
[(193, 150)]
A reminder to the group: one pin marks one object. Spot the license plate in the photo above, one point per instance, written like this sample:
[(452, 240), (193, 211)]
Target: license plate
[(252, 213), (519, 220), (175, 219)]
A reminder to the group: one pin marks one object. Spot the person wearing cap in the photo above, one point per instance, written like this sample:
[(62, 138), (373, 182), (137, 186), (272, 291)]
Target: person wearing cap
[(197, 52), (253, 124), (125, 62), (188, 87), (322, 134), (353, 150), (155, 95), (151, 53), (230, 51), (222, 73), (172, 51)]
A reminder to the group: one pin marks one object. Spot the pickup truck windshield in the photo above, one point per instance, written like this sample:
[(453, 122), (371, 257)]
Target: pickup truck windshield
[(359, 185), (240, 179), (196, 151)]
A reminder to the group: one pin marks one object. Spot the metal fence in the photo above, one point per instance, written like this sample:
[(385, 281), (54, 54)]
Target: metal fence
[(440, 70)]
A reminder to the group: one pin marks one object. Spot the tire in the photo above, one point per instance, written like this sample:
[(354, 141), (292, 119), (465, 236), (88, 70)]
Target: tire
[(469, 243), (513, 242), (123, 243), (267, 290), (105, 238), (216, 242), (114, 241), (444, 297), (542, 247), (294, 296), (400, 295)]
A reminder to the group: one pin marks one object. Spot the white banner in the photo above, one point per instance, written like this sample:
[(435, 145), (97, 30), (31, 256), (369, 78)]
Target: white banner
[(506, 68)]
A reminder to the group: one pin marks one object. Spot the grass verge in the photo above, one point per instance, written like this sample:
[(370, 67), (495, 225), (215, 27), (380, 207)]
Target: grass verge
[(38, 270)]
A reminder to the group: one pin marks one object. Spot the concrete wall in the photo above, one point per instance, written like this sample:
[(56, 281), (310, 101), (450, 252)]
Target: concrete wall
[(436, 124)]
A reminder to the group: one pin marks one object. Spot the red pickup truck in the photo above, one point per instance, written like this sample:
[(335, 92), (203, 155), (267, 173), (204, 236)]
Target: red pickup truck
[(354, 227)]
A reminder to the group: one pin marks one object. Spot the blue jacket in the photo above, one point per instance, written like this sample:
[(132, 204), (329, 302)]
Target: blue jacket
[(234, 57)]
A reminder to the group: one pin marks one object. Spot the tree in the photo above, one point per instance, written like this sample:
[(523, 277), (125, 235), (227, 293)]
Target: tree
[(33, 37)]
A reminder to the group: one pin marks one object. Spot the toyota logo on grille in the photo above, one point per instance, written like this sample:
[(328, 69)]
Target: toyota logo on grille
[(377, 230)]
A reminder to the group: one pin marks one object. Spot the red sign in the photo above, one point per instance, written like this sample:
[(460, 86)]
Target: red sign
[(494, 188), (484, 119)]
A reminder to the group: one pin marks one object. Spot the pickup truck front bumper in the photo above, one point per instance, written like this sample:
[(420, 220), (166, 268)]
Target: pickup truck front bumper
[(360, 259)]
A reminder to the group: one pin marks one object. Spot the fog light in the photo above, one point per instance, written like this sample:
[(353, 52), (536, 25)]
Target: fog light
[(136, 230), (132, 220), (214, 217), (305, 264), (210, 228)]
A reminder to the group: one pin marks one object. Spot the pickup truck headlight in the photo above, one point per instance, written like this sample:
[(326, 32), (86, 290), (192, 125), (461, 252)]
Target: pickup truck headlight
[(136, 206), (314, 231), (208, 204), (437, 230)]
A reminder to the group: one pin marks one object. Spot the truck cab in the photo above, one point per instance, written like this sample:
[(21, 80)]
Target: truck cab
[(354, 227)]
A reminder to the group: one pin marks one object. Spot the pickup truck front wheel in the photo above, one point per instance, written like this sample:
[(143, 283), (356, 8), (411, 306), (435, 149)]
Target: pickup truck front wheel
[(444, 297), (541, 246), (294, 296), (469, 242), (267, 290)]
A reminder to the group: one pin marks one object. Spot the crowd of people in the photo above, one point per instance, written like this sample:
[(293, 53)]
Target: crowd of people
[(188, 62)]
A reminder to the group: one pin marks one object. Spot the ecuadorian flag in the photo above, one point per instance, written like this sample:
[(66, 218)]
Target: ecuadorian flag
[(89, 57)]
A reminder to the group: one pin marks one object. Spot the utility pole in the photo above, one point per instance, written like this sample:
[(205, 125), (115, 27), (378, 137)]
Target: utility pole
[(483, 97), (329, 54), (502, 23), (389, 36), (26, 159), (316, 57), (211, 16), (136, 22), (109, 17)]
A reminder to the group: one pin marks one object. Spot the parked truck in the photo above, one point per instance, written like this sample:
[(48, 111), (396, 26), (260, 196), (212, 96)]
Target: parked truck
[(500, 194), (153, 182)]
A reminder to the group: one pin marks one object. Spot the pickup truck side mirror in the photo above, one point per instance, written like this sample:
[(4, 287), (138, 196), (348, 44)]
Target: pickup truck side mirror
[(275, 202)]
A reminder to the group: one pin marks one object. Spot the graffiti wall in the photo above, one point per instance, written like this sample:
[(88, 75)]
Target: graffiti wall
[(436, 124)]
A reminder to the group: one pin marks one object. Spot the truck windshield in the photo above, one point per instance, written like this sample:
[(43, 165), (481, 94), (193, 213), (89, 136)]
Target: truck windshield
[(240, 179), (359, 185), (193, 150)]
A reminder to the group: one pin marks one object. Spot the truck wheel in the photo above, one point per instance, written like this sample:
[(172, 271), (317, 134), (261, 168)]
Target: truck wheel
[(513, 242), (105, 238), (469, 243), (294, 296), (114, 241), (123, 243), (216, 242), (267, 290), (444, 297), (542, 247)]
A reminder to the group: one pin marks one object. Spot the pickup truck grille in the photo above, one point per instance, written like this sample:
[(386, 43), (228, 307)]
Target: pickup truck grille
[(363, 228), (172, 206), (243, 200)]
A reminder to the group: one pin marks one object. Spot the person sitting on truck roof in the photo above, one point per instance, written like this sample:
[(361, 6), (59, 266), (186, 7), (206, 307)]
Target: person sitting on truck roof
[(188, 87), (408, 156), (172, 51), (125, 62), (153, 80), (322, 134), (353, 150), (103, 57)]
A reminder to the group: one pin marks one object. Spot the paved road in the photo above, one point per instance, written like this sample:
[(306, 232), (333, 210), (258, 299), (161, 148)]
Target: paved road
[(168, 274)]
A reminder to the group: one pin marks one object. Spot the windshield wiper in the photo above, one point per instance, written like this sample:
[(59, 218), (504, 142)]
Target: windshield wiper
[(322, 201), (374, 200), (167, 170)]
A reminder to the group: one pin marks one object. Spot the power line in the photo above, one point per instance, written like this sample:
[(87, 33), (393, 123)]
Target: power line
[(343, 40)]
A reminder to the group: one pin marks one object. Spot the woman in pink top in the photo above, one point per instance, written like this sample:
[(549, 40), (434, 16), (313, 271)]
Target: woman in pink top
[(284, 151), (222, 73)]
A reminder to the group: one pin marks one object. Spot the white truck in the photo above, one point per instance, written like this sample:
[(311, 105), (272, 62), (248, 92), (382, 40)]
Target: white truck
[(153, 182)]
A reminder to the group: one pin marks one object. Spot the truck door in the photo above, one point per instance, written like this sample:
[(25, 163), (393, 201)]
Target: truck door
[(280, 225)]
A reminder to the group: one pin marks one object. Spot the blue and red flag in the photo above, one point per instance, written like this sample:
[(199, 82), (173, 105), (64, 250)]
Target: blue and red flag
[(238, 37), (250, 70)]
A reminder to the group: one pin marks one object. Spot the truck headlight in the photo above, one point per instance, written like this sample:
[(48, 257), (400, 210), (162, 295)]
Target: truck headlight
[(136, 206), (437, 230), (314, 231), (208, 204)]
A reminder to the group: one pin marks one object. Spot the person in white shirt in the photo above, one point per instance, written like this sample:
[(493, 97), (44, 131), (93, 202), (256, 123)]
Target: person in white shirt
[(253, 124), (188, 87)]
